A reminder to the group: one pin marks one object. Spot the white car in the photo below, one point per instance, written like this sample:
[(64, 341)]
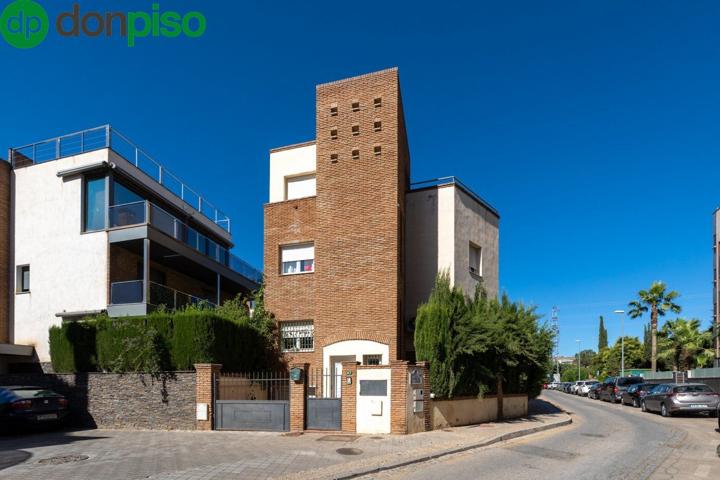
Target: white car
[(585, 387), (574, 387)]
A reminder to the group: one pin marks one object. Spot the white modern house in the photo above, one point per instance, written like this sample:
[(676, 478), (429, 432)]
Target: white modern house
[(97, 225)]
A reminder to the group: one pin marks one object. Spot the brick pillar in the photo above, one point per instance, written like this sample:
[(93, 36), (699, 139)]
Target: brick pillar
[(427, 401), (349, 397), (398, 396), (298, 394), (205, 374)]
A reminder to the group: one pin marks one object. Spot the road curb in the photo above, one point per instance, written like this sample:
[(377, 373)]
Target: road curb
[(452, 451)]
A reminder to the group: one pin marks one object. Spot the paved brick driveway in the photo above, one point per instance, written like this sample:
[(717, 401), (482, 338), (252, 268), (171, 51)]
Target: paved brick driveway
[(125, 455)]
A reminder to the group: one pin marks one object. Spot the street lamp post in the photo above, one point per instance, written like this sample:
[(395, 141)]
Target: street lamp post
[(578, 342), (622, 341)]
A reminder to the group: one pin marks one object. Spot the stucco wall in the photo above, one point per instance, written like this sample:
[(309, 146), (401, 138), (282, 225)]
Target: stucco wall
[(289, 162), (475, 223), (471, 411), (68, 269), (441, 223)]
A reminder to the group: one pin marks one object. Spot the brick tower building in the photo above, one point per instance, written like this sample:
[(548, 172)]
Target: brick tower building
[(335, 230)]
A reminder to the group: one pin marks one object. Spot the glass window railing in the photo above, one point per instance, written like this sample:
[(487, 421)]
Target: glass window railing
[(134, 213), (126, 292), (126, 214)]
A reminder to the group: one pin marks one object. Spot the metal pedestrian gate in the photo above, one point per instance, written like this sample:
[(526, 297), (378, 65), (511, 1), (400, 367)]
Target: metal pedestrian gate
[(324, 401), (252, 401)]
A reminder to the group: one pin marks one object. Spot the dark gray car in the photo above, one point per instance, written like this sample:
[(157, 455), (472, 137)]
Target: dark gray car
[(613, 387), (670, 398)]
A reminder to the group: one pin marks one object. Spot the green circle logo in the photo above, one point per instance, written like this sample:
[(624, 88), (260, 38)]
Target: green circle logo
[(24, 24)]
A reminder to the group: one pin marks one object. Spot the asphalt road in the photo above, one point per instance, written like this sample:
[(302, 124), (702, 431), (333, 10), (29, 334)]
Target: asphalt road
[(605, 442)]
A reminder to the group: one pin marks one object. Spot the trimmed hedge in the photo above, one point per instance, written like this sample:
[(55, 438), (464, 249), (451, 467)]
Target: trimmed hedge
[(72, 347), (159, 342)]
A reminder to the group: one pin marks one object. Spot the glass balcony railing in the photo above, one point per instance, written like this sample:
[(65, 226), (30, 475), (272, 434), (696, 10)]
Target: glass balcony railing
[(107, 137), (136, 213), (126, 292), (122, 293)]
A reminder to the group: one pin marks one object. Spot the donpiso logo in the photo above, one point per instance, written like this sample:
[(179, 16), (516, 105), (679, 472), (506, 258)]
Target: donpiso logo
[(24, 24)]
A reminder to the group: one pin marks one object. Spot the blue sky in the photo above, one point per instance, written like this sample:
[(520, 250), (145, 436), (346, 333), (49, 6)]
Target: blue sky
[(591, 126)]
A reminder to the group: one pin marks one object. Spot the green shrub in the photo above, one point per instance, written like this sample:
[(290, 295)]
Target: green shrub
[(163, 341), (72, 347)]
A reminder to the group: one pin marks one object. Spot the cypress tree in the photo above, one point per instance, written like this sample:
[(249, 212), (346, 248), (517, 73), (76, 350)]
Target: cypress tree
[(602, 335)]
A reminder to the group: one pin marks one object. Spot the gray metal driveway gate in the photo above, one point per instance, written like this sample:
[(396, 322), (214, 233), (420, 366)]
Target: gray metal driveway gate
[(252, 401), (324, 401)]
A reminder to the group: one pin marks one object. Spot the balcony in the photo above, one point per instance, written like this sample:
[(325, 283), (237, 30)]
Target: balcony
[(145, 212), (107, 137), (131, 292)]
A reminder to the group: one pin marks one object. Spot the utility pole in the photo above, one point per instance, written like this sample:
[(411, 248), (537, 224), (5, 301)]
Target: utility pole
[(556, 333)]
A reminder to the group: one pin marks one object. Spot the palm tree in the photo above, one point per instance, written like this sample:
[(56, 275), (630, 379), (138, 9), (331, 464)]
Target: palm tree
[(684, 345), (658, 301)]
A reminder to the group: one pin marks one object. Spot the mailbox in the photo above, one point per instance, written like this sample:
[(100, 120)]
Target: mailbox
[(296, 374)]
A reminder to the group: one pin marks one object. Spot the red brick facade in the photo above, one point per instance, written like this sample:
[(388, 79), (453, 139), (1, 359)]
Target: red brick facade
[(5, 267), (356, 221)]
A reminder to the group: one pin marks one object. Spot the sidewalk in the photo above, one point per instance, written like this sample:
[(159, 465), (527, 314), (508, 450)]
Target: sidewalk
[(121, 455)]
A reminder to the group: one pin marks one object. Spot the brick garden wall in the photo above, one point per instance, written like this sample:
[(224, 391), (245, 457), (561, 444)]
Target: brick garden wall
[(126, 401)]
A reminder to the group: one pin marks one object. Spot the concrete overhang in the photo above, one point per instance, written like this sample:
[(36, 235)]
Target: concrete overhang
[(16, 350)]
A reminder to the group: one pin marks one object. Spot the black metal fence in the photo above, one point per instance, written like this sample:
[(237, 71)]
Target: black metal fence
[(324, 384), (253, 386)]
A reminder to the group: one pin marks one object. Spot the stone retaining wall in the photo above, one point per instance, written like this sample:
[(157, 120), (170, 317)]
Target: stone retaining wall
[(163, 401)]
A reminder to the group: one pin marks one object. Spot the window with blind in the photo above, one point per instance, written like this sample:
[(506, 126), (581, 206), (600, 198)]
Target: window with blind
[(296, 259)]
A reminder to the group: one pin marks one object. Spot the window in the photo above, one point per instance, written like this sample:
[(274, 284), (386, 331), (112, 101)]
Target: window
[(377, 150), (333, 110), (297, 336), (356, 154), (333, 158), (94, 204), (23, 279), (355, 129), (333, 134), (123, 195), (297, 258), (377, 126), (377, 102), (299, 187), (475, 259), (356, 106), (374, 359)]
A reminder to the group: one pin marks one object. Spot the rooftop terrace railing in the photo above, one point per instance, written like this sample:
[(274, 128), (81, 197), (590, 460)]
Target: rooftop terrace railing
[(107, 137)]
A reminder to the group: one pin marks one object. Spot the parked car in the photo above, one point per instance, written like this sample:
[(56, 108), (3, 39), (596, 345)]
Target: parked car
[(635, 393), (31, 406), (613, 387), (574, 387), (566, 387), (584, 389), (671, 398), (593, 391)]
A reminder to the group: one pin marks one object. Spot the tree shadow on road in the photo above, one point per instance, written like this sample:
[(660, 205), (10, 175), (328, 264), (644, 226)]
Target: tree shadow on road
[(541, 407)]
